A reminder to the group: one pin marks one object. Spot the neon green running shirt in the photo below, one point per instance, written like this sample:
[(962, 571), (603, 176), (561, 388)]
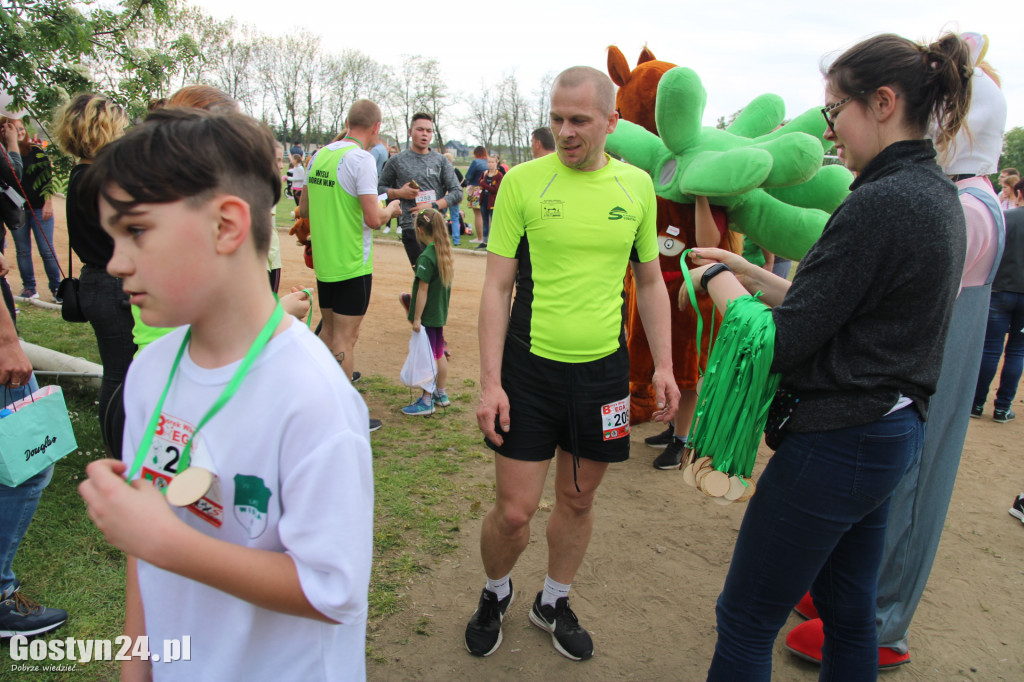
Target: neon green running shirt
[(573, 233)]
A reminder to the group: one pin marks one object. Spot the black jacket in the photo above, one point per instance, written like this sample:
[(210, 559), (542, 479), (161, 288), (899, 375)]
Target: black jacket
[(865, 319)]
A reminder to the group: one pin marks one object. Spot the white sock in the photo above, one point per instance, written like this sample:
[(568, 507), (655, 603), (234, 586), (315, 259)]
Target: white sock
[(553, 591), (500, 587)]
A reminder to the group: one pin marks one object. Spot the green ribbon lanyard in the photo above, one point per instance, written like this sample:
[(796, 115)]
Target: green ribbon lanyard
[(309, 318), (693, 301), (738, 383), (229, 391)]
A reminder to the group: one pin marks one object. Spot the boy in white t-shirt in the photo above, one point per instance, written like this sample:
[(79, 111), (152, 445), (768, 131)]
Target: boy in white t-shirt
[(265, 567)]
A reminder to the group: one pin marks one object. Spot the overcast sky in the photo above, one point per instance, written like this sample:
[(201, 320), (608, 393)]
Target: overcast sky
[(740, 48)]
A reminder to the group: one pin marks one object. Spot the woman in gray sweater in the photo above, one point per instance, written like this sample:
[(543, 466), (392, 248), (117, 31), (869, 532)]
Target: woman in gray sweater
[(859, 340)]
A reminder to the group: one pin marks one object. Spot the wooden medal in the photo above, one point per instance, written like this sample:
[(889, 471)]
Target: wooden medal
[(704, 471), (736, 488), (688, 478), (721, 500), (715, 483), (189, 486), (748, 492)]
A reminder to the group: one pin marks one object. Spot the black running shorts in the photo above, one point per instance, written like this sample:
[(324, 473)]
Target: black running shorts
[(583, 408), (347, 297)]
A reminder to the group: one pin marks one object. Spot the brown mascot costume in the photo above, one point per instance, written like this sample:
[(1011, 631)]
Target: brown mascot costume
[(676, 224)]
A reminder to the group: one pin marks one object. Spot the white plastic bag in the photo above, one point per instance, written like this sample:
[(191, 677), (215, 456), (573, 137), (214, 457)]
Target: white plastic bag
[(420, 368)]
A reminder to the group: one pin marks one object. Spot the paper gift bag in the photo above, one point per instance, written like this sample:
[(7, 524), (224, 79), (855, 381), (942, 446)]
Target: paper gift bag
[(34, 433)]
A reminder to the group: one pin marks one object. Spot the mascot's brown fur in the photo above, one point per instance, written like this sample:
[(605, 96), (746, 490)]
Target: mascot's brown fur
[(635, 102)]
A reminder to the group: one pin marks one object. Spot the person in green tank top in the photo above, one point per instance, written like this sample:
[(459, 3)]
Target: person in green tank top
[(341, 203)]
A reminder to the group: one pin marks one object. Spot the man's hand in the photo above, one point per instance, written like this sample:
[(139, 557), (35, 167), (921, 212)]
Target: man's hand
[(134, 518), (47, 209), (406, 191), (666, 396), (494, 408), (394, 208), (4, 267)]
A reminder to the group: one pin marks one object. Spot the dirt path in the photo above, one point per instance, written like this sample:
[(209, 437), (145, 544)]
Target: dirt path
[(660, 550)]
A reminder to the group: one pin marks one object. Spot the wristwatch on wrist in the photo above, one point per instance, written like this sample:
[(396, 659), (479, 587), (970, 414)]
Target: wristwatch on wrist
[(714, 270), (435, 206)]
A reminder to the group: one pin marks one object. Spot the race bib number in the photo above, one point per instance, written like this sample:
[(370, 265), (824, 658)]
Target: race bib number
[(161, 465), (426, 196), (615, 419)]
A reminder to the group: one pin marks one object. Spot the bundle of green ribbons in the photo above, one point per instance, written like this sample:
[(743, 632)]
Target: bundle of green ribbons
[(738, 386)]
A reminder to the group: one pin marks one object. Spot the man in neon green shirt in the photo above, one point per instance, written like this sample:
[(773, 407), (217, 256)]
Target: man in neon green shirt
[(565, 228), (341, 203)]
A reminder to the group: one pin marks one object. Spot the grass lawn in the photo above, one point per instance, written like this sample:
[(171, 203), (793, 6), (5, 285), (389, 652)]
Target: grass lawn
[(420, 503)]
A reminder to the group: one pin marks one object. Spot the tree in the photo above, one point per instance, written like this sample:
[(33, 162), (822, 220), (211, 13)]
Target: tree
[(420, 87), (516, 122), (1013, 150), (485, 115), (48, 46), (235, 67)]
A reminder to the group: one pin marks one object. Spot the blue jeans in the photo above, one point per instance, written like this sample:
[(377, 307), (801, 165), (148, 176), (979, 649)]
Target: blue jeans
[(453, 213), (1005, 316), (43, 230), (487, 212), (816, 521), (17, 505)]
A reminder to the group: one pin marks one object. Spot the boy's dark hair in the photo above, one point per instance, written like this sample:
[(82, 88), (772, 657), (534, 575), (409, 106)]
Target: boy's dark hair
[(422, 115), (191, 154)]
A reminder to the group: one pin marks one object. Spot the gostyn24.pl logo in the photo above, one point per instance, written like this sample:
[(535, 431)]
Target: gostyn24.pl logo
[(75, 650)]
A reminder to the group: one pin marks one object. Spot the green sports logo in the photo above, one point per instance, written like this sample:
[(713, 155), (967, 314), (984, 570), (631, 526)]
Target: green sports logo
[(619, 213)]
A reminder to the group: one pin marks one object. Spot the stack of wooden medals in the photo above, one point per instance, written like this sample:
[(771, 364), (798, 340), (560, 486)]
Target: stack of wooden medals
[(732, 406)]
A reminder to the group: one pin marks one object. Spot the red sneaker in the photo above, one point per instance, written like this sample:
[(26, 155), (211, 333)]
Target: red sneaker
[(806, 607), (807, 639)]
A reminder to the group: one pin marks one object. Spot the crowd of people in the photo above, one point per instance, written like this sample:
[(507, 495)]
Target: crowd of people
[(268, 530)]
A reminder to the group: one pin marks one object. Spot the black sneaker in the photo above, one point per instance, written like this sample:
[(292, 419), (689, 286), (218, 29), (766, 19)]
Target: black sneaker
[(673, 455), (976, 411), (356, 376), (570, 640), (1003, 416), (662, 439), (1017, 509), (483, 632), (375, 424), (20, 615)]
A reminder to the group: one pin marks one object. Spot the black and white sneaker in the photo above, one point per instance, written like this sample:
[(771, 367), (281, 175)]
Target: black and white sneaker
[(977, 411), (356, 376), (569, 638), (673, 455), (483, 632), (1003, 416), (662, 439), (1017, 509), (20, 615), (375, 424)]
